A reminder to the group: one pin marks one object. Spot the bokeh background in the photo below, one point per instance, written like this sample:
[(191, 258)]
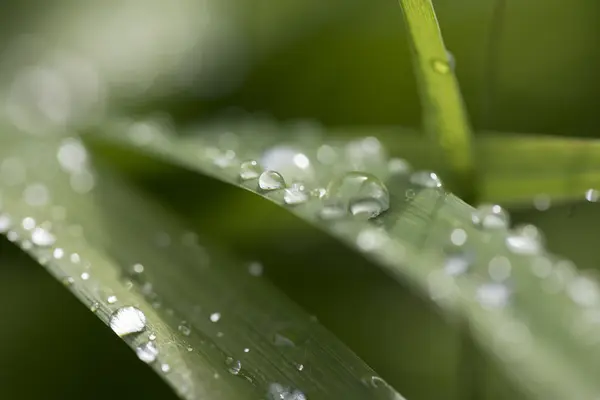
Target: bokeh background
[(527, 66)]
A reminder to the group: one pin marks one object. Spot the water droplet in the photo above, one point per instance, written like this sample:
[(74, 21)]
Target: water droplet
[(42, 237), (58, 253), (490, 216), (458, 237), (127, 320), (277, 391), (457, 262), (299, 367), (327, 155), (542, 202), (255, 269), (398, 166), (36, 195), (165, 368), (271, 180), (72, 155), (5, 223), (499, 268), (233, 366), (185, 328), (137, 268), (360, 193), (28, 223), (592, 195), (493, 295), (584, 291), (292, 164), (94, 307), (250, 170), (68, 281), (147, 352), (75, 258), (215, 317), (152, 336), (295, 195), (525, 240), (224, 159), (319, 193), (246, 350), (440, 66), (383, 389), (426, 179), (85, 276), (451, 60), (371, 239), (112, 299)]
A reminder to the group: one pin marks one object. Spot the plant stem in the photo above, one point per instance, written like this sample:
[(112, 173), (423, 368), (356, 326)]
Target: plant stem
[(444, 116)]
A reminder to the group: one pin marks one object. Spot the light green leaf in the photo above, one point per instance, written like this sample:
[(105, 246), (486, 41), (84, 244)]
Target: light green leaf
[(213, 328), (523, 305)]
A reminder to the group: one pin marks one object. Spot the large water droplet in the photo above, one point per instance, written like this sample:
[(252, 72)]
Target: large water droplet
[(295, 195), (147, 352), (233, 366), (292, 164), (360, 193), (42, 237), (493, 295), (127, 320), (271, 180), (490, 216), (250, 170), (426, 179)]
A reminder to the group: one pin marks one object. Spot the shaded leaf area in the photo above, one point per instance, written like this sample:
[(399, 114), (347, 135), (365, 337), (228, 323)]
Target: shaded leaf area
[(219, 330), (522, 304)]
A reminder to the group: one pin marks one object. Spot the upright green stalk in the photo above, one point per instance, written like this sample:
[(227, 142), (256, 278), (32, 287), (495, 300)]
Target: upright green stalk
[(444, 115)]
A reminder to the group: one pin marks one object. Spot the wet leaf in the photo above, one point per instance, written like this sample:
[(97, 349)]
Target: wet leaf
[(528, 308), (203, 322)]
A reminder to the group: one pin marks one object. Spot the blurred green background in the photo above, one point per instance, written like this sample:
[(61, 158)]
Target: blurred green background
[(341, 62)]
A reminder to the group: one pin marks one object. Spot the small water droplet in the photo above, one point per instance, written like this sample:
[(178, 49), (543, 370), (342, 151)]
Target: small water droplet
[(270, 180), (68, 281), (490, 216), (441, 66), (250, 170), (295, 195), (165, 368), (426, 179), (371, 239), (233, 366), (127, 320), (5, 223), (542, 202), (147, 352), (319, 193), (457, 262), (72, 155), (255, 269), (94, 307), (58, 253), (499, 268), (215, 317), (42, 237), (525, 240), (493, 295), (360, 193), (85, 276), (112, 299), (246, 350), (36, 195), (185, 328), (28, 223), (592, 195), (299, 367), (458, 237), (224, 159), (75, 258)]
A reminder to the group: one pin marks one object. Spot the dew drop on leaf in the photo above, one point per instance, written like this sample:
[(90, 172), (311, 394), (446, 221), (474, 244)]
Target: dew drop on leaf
[(441, 66), (165, 368), (185, 328), (5, 222), (147, 352), (457, 262), (112, 299), (255, 269), (28, 223), (127, 320), (233, 366), (490, 216), (249, 170), (426, 179), (592, 195), (295, 195), (398, 166), (277, 391), (499, 268), (292, 164), (270, 180), (525, 240), (43, 238), (360, 193), (493, 295), (58, 253), (215, 317)]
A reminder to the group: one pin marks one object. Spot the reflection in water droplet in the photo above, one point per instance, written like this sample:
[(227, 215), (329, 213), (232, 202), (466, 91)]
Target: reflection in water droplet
[(292, 164), (255, 269), (360, 193), (250, 170), (185, 328), (42, 237), (493, 295), (295, 195), (215, 317), (270, 180), (5, 223), (233, 366), (127, 320), (426, 179), (490, 216), (147, 352), (440, 66)]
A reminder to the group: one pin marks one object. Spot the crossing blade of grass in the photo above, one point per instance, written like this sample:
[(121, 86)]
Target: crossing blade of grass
[(207, 329), (520, 301), (444, 116)]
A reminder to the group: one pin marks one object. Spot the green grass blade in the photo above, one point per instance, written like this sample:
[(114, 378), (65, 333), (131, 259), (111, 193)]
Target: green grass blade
[(89, 228), (444, 116), (528, 328)]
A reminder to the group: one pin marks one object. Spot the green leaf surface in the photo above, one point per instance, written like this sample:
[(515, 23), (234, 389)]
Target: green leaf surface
[(523, 305), (221, 331)]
